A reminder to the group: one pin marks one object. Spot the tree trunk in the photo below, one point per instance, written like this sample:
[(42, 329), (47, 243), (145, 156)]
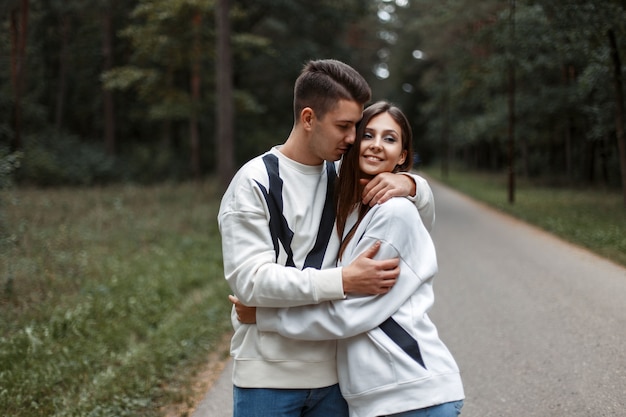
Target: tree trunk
[(224, 80), (569, 171), (445, 136), (195, 95), (511, 107), (19, 31), (619, 108), (107, 95), (569, 77), (605, 151), (167, 124)]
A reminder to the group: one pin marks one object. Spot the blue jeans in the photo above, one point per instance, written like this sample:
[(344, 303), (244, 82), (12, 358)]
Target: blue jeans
[(265, 402), (451, 409)]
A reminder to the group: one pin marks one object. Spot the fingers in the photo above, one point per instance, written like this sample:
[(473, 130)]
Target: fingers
[(391, 266), (379, 198), (370, 190), (233, 299), (372, 250), (377, 190), (382, 286), (366, 275), (386, 185), (390, 270), (386, 285)]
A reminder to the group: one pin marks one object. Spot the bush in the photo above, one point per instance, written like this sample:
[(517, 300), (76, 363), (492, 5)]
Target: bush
[(146, 164), (52, 159), (9, 162), (58, 159)]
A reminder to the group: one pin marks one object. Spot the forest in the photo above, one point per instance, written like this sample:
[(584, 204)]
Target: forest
[(102, 91)]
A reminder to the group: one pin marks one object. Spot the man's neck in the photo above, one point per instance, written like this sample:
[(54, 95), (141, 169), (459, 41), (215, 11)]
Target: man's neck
[(296, 148)]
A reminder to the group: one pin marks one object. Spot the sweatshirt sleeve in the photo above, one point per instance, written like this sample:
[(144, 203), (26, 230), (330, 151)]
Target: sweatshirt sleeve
[(423, 200), (250, 260), (402, 234)]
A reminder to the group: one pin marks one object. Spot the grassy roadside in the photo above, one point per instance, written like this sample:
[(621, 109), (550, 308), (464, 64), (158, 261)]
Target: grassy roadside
[(110, 298), (592, 218)]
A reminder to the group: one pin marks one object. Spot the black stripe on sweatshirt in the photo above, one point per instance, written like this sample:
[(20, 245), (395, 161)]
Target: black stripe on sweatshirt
[(279, 228), (403, 339), (327, 223)]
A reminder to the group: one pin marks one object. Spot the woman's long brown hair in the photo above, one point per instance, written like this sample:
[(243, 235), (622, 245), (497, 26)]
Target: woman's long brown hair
[(348, 191)]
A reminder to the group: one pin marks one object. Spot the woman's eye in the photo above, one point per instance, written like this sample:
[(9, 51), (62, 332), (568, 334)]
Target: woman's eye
[(390, 139), (367, 136)]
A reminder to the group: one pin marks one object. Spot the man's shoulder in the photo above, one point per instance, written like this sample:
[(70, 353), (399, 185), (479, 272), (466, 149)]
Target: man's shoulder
[(255, 168), (243, 184)]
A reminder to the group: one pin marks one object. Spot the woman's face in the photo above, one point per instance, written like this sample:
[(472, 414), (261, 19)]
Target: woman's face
[(381, 146)]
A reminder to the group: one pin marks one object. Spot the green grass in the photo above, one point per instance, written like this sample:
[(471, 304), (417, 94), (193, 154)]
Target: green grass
[(592, 218), (109, 298)]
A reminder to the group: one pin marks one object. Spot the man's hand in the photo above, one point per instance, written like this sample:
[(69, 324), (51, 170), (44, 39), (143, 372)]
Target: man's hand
[(368, 276), (385, 186), (245, 314)]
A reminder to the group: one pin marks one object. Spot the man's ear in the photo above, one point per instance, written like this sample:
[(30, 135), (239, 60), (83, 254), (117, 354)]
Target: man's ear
[(306, 117)]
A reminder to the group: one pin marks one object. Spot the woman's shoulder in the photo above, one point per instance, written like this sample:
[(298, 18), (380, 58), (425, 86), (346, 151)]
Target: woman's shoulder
[(398, 223), (398, 212), (397, 205)]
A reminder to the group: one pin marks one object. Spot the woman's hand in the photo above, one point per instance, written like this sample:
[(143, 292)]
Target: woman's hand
[(245, 314)]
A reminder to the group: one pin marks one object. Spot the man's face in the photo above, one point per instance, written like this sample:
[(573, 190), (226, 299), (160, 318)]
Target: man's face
[(333, 134)]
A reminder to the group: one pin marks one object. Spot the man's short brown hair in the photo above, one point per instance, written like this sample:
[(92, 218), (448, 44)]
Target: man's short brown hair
[(322, 83)]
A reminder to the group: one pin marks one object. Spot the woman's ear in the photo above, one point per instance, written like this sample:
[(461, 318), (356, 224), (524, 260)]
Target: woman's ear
[(402, 158)]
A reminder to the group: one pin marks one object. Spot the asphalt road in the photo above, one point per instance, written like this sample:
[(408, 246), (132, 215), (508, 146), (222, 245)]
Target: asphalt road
[(538, 326)]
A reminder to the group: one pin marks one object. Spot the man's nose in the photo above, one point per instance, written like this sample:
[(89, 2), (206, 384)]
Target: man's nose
[(351, 136)]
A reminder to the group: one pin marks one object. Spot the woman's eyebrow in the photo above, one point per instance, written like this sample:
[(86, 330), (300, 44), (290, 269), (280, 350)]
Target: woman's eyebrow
[(384, 131)]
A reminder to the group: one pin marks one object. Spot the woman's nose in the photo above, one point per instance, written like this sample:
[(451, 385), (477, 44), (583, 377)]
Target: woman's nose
[(375, 144)]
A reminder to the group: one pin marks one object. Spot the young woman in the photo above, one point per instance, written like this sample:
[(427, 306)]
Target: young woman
[(390, 359)]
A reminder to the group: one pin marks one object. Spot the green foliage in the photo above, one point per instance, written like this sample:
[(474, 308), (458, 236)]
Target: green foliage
[(145, 164), (272, 40), (9, 163), (558, 54), (118, 292), (455, 91), (56, 159), (592, 218)]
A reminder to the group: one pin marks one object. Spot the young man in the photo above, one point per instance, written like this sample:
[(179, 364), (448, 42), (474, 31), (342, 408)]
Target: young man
[(279, 246)]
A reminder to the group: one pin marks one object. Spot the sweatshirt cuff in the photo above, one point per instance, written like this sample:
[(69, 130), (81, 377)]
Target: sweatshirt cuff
[(329, 284), (266, 319), (415, 180), (422, 190)]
